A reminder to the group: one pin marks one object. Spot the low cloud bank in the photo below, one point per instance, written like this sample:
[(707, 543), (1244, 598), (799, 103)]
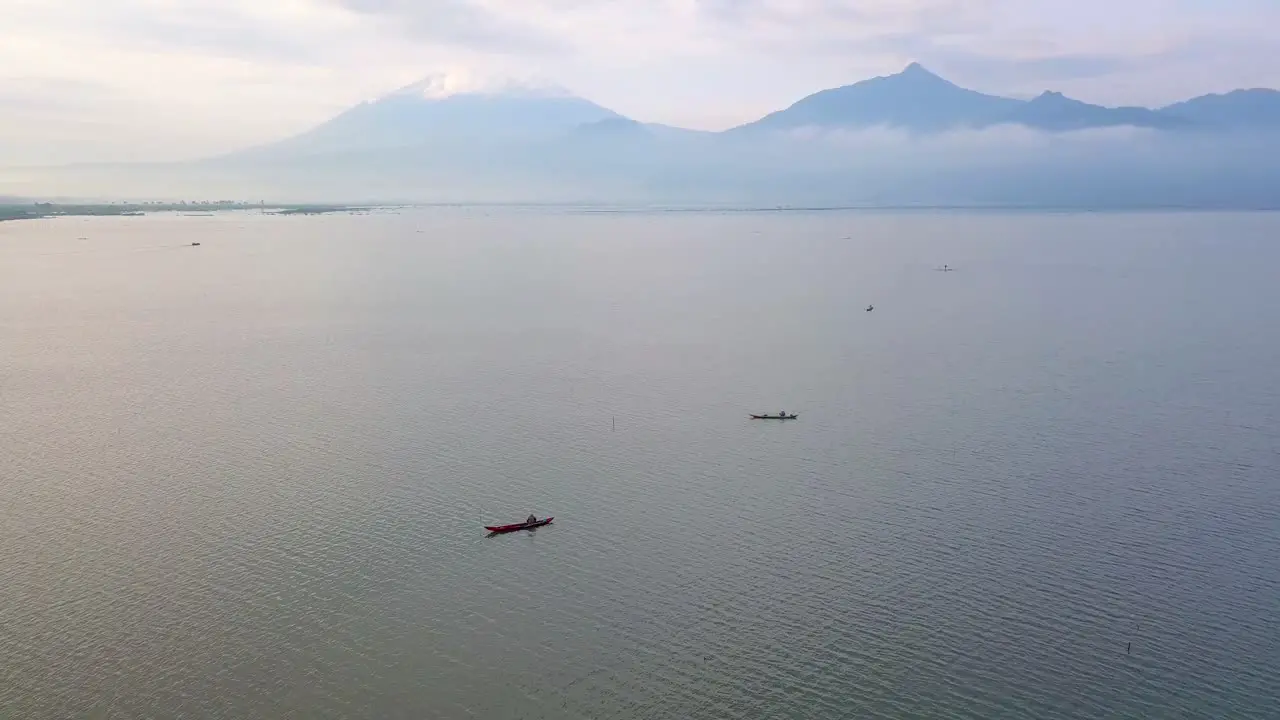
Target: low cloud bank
[(1003, 165)]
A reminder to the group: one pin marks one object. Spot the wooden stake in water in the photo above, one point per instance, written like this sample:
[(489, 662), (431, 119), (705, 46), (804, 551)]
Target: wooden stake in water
[(615, 423)]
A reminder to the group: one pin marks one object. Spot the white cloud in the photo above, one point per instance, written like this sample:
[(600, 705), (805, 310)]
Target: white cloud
[(995, 145), (149, 79)]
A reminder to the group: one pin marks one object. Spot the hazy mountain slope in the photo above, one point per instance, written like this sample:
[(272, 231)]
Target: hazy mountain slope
[(1257, 109), (914, 99), (1054, 112), (421, 115), (905, 139)]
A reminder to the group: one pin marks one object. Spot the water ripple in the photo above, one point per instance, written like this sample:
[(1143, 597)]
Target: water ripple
[(250, 482)]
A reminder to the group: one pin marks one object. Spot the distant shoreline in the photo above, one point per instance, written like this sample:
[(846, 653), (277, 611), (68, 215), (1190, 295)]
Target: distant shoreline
[(42, 210)]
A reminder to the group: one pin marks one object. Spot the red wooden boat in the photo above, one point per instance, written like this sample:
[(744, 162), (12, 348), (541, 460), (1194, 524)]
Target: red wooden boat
[(518, 526)]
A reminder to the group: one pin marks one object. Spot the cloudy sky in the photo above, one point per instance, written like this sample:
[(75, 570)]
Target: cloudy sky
[(99, 80)]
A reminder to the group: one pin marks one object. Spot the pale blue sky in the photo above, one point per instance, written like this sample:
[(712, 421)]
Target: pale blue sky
[(154, 79)]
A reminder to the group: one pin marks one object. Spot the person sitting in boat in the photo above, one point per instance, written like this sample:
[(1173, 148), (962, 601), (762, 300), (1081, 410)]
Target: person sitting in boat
[(532, 519), (782, 413)]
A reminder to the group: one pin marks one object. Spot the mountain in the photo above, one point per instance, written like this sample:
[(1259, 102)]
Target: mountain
[(452, 139), (919, 101), (915, 100), (458, 115), (1054, 112), (1241, 109), (431, 112)]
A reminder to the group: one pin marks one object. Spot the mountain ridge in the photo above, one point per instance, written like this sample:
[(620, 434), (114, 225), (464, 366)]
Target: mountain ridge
[(445, 109), (898, 139), (900, 100), (920, 101)]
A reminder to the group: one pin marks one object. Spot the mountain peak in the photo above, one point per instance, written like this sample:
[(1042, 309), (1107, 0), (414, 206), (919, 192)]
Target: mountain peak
[(1049, 97), (916, 68), (440, 85), (915, 72), (449, 108), (915, 99)]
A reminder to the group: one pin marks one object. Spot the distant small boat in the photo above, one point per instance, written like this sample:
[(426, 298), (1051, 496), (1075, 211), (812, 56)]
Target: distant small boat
[(792, 416), (870, 308), (518, 526), (194, 244)]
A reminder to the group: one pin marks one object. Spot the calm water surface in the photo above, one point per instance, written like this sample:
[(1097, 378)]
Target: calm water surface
[(246, 480)]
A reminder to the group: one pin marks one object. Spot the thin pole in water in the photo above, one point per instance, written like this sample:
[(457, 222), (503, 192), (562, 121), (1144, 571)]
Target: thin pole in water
[(1128, 647), (615, 423)]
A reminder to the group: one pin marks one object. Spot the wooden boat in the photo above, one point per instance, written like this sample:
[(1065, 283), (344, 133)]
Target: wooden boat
[(517, 526), (792, 416)]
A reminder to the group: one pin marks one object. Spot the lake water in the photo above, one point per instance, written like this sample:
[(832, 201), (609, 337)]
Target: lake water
[(247, 479)]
